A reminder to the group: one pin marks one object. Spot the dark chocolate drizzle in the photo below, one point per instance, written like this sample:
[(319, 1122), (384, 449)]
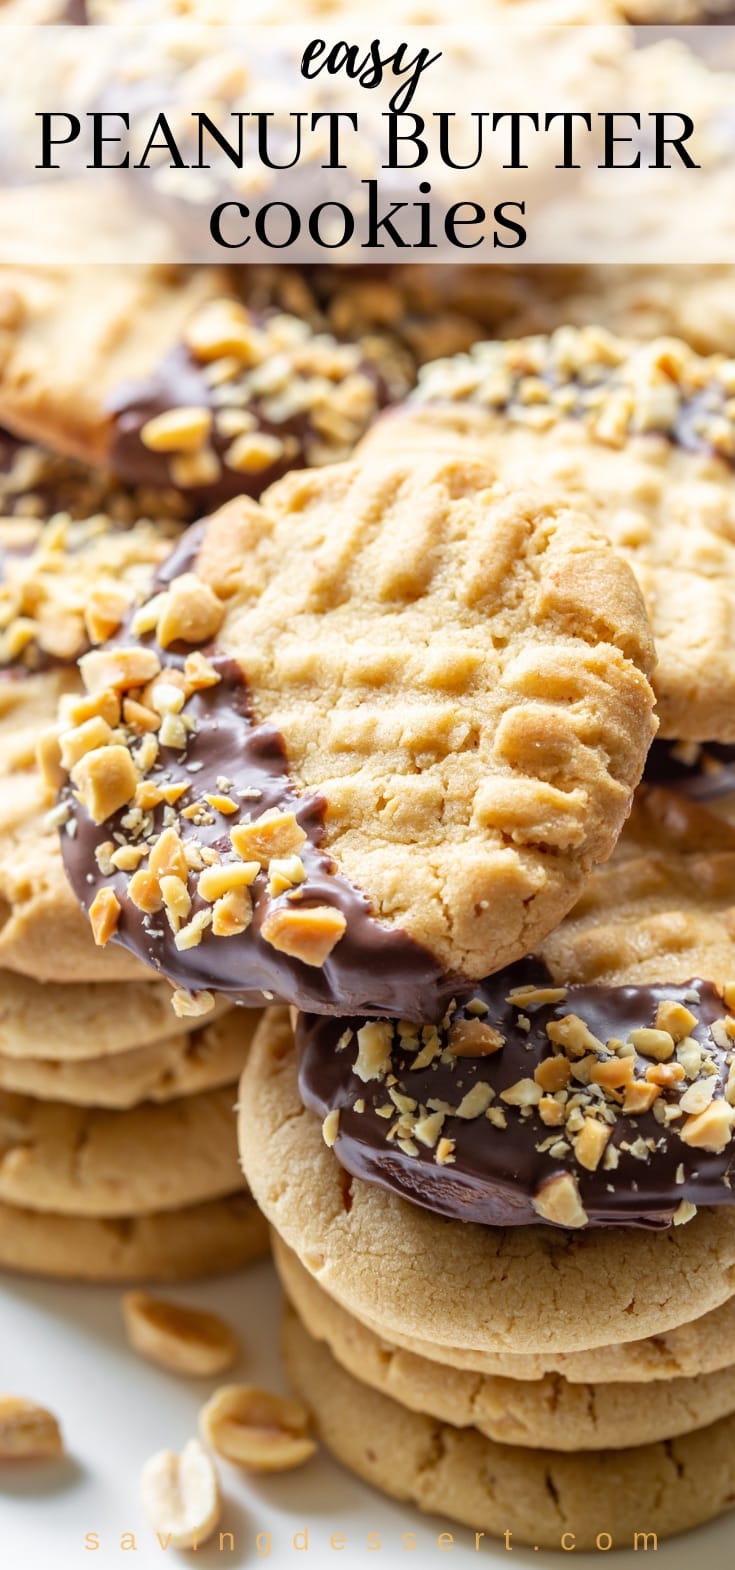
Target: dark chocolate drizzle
[(496, 1171), (710, 775), (374, 968)]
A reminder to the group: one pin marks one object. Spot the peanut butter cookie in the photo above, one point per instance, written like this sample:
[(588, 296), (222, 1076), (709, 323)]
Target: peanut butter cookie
[(168, 1245), (87, 1161), (541, 1414), (541, 1497), (641, 435), (364, 743), (177, 1065), (455, 1284)]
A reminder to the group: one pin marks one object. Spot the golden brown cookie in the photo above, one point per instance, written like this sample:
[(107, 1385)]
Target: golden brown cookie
[(419, 722), (83, 1021), (542, 1498), (177, 1065), (541, 1414), (641, 436), (459, 1285), (87, 1161), (661, 908), (170, 1245), (703, 1346)]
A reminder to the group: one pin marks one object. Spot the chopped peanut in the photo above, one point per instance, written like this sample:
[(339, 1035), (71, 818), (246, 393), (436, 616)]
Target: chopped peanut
[(676, 1019), (198, 672), (656, 1044), (183, 429), (308, 934), (553, 1073), (118, 668), (551, 1112), (614, 1073), (574, 1036), (95, 732), (472, 1038), (105, 780), (285, 872), (232, 913), (710, 1129), (665, 1074), (104, 914), (103, 613), (590, 1143), (274, 834), (144, 891), (191, 1004), (374, 1042), (191, 612), (640, 1096), (221, 328), (558, 1201), (330, 1127), (222, 879)]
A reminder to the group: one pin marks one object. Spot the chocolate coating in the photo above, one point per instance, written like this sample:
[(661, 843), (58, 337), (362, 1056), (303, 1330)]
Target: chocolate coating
[(710, 774), (374, 968), (179, 380), (496, 1171), (495, 378)]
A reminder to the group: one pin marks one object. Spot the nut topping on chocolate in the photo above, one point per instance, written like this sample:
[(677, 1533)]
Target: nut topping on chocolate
[(171, 854), (616, 1106)]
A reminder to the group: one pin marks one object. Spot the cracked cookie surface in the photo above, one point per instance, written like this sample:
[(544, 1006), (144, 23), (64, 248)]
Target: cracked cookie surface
[(455, 678), (537, 1495), (87, 1161), (642, 436), (166, 1245), (164, 1069), (546, 1413)]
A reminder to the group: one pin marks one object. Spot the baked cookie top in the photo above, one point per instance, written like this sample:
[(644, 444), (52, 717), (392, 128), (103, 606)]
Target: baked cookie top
[(593, 1084), (642, 437), (377, 731)]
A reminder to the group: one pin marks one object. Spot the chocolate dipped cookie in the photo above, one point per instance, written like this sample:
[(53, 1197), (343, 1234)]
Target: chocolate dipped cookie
[(364, 743)]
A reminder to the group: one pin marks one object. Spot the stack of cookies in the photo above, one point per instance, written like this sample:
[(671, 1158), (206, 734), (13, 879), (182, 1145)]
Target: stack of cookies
[(347, 779), (406, 706), (119, 1151), (118, 1155)]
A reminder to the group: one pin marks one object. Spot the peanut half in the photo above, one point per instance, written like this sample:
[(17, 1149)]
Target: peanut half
[(181, 1496), (257, 1430), (27, 1432), (186, 1340)]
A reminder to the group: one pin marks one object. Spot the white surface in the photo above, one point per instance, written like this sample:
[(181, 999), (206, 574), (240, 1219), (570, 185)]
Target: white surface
[(65, 1346)]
